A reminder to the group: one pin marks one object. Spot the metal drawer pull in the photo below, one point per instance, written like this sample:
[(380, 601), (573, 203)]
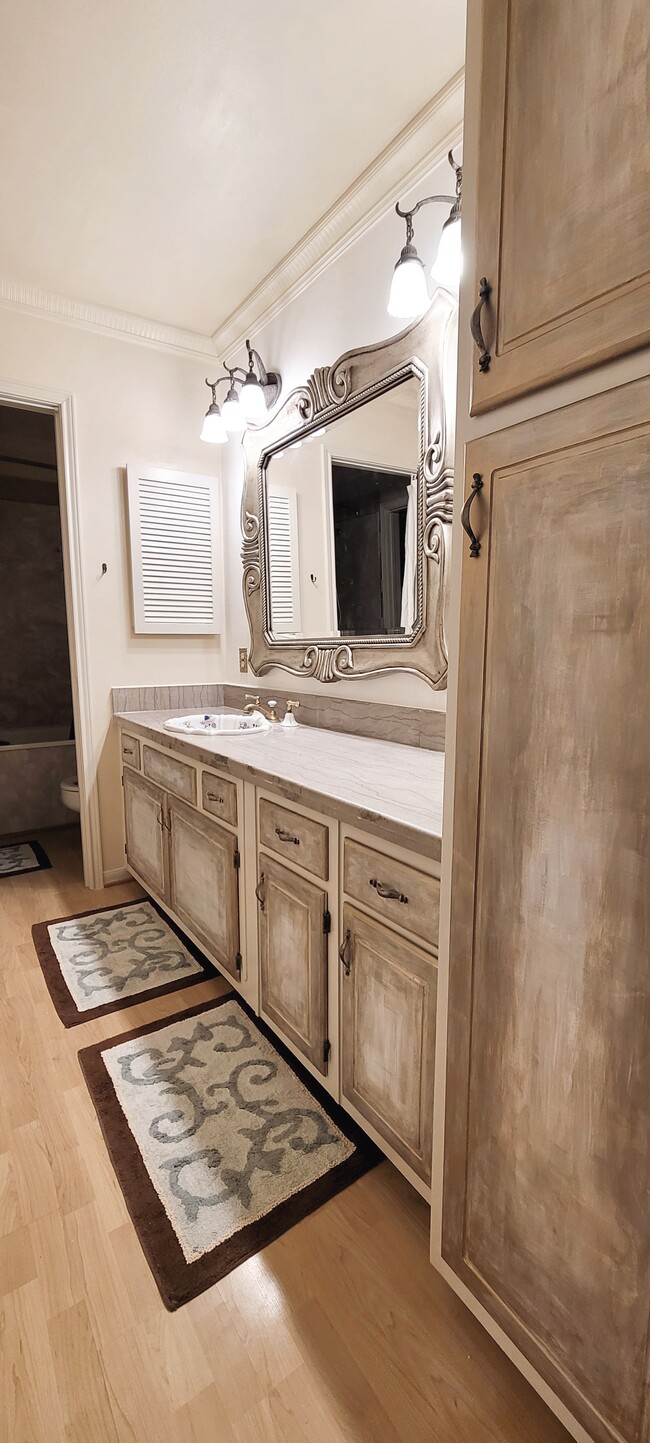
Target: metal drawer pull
[(474, 543), (345, 952), (287, 837), (390, 893), (484, 293), (212, 797), (128, 751), (260, 892)]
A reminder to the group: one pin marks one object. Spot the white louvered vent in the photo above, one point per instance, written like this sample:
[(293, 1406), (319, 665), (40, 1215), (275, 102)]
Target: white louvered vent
[(284, 561), (175, 551)]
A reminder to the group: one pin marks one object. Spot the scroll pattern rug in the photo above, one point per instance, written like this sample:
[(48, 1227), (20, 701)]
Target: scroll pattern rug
[(99, 961), (19, 857), (219, 1140)]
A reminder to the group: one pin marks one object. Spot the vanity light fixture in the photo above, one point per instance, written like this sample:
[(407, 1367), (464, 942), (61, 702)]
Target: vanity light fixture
[(259, 390), (409, 293)]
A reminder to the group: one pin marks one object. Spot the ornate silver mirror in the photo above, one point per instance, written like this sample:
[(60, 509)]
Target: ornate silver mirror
[(346, 508)]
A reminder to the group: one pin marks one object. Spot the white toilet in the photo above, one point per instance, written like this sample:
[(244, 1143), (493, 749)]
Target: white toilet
[(70, 794)]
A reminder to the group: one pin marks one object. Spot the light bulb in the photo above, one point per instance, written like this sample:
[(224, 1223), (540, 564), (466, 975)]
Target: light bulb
[(409, 295), (251, 399), (447, 266), (213, 428), (232, 414)]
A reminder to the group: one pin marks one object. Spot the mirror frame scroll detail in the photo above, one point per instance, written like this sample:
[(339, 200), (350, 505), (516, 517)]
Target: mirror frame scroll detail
[(425, 350)]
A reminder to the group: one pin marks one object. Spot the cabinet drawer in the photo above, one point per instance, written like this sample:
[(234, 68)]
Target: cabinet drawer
[(219, 797), (370, 877), (295, 837), (175, 776), (131, 751)]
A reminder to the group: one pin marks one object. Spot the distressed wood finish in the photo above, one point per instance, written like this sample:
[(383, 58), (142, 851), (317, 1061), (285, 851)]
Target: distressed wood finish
[(299, 839), (293, 958), (388, 1028), (417, 908), (175, 776), (146, 850), (89, 1355), (563, 230), (219, 797), (426, 350), (547, 1166), (203, 882), (131, 751)]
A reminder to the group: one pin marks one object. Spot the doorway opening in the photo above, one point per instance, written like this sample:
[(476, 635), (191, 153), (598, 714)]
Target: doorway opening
[(44, 710)]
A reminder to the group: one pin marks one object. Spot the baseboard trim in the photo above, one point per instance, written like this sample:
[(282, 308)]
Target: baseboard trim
[(116, 874)]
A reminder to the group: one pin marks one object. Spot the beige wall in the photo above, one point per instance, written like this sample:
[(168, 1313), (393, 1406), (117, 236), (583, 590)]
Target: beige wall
[(130, 401)]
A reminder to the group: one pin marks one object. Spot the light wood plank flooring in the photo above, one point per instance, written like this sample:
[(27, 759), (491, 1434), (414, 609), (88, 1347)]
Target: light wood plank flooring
[(340, 1332)]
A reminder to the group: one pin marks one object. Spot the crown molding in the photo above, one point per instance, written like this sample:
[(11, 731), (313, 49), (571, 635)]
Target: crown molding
[(421, 145), (33, 301)]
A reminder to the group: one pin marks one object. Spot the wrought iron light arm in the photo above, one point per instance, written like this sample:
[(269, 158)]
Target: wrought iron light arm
[(454, 201)]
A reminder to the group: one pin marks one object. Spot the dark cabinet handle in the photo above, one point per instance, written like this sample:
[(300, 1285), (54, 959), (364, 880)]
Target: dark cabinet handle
[(287, 837), (212, 797), (391, 893), (474, 543), (345, 952), (484, 293), (260, 892)]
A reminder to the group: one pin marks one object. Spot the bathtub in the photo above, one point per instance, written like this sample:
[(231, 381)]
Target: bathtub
[(33, 736), (33, 763)]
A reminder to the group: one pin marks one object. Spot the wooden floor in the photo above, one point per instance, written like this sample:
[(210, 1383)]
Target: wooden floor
[(341, 1330)]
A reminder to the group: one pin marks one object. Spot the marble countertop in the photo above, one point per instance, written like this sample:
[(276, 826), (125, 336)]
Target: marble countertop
[(383, 787)]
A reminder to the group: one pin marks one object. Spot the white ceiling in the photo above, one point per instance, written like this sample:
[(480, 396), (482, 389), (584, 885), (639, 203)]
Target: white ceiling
[(161, 156)]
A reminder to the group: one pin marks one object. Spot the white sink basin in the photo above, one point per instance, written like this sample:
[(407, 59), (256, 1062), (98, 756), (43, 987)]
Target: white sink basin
[(213, 724)]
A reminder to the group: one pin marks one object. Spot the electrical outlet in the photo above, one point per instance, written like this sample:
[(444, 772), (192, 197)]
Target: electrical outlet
[(243, 659)]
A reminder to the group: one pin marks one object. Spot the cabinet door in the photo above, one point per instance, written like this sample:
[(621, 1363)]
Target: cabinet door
[(388, 1024), (203, 882), (547, 1143), (146, 836), (293, 958), (563, 230)]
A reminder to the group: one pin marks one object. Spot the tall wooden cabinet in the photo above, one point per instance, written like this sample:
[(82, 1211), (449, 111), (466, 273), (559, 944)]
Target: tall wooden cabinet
[(563, 214), (545, 1149)]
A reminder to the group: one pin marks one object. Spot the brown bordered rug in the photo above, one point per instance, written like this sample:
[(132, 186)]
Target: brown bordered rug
[(68, 1011), (178, 1280), (18, 859)]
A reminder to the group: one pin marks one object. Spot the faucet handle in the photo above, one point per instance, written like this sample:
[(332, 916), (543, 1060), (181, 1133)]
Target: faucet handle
[(254, 699), (289, 718)]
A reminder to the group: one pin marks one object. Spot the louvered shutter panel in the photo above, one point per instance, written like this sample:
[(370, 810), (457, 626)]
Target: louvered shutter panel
[(284, 561), (176, 563)]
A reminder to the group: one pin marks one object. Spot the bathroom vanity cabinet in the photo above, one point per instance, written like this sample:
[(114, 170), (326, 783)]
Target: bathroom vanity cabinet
[(330, 932)]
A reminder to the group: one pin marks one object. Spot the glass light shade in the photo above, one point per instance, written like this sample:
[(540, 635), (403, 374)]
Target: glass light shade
[(251, 400), (213, 428), (409, 295), (448, 262), (232, 414)]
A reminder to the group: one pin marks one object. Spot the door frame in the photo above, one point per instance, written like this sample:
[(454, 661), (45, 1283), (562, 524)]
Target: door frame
[(60, 405)]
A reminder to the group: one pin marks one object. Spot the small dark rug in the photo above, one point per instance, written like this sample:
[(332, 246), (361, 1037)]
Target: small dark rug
[(219, 1139), (100, 961), (17, 858)]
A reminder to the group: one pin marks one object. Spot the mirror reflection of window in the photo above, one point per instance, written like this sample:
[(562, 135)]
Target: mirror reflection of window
[(346, 563)]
